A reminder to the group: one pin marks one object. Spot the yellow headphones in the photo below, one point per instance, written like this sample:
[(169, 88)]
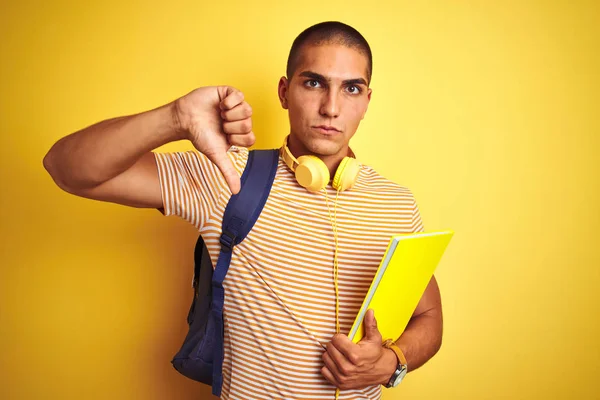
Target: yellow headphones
[(312, 173)]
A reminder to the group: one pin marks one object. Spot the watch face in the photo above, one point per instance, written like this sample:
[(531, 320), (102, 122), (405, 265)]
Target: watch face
[(400, 376)]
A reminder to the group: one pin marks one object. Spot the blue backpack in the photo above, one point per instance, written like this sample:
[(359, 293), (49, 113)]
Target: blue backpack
[(201, 355)]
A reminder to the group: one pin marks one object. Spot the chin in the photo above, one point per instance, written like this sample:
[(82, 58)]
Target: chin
[(324, 146)]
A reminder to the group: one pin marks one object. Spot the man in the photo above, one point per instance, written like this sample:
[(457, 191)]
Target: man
[(281, 339)]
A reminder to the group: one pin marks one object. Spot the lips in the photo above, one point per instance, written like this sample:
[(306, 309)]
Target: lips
[(327, 128)]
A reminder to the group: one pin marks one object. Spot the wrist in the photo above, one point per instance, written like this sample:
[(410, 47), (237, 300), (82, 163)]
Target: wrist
[(177, 127), (401, 366), (389, 363)]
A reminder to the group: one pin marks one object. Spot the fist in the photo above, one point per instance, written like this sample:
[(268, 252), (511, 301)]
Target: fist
[(350, 365), (214, 118)]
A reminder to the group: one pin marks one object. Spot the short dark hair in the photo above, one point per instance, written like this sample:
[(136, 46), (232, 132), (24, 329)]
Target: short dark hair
[(329, 32)]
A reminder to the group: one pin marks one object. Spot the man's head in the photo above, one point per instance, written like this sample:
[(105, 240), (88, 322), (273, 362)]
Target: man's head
[(332, 32), (326, 91)]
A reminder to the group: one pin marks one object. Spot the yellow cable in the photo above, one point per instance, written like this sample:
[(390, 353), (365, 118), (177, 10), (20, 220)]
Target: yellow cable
[(335, 263)]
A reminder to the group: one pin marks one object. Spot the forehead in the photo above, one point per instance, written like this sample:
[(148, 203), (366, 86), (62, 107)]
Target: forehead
[(334, 61)]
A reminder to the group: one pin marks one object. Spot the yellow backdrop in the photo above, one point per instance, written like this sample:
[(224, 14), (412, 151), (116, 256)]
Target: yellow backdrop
[(488, 111)]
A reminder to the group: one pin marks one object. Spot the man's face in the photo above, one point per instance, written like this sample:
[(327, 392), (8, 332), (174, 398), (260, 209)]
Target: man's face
[(327, 97)]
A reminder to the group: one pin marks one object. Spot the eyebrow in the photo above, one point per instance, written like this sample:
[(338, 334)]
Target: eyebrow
[(314, 75)]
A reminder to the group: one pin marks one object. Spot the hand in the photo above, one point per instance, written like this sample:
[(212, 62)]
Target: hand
[(357, 365), (214, 118)]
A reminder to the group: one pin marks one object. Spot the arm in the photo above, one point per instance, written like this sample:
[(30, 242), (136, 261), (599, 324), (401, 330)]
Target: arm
[(113, 160), (422, 338)]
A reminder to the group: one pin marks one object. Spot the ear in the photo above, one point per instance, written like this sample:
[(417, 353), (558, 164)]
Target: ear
[(369, 91), (282, 91)]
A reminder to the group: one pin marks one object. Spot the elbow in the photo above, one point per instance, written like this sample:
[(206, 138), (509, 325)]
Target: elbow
[(49, 164), (438, 341), (65, 178), (438, 344), (436, 330)]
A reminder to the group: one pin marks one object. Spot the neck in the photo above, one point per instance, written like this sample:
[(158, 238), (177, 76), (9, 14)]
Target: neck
[(331, 161)]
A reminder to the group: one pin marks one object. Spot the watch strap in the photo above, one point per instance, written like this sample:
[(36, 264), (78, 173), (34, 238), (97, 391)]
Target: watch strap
[(402, 367), (390, 344)]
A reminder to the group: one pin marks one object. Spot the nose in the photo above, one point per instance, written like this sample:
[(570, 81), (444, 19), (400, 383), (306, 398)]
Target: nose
[(330, 105)]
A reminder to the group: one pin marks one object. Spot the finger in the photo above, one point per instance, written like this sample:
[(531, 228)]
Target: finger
[(231, 100), (345, 346), (225, 165), (238, 127), (243, 140), (329, 376), (331, 365), (343, 366), (239, 112)]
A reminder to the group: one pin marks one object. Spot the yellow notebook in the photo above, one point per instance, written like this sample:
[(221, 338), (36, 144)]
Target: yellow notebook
[(401, 279)]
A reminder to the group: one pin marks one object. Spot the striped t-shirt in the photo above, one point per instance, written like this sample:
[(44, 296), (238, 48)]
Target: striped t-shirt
[(279, 310)]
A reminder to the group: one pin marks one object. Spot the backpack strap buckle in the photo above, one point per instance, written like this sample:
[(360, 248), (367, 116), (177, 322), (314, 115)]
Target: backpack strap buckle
[(227, 240)]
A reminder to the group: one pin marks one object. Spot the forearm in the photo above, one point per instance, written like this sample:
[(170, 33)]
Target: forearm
[(104, 150), (422, 338)]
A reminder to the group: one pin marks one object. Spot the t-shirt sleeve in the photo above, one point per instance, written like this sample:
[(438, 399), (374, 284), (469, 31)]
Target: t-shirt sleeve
[(191, 185), (417, 222)]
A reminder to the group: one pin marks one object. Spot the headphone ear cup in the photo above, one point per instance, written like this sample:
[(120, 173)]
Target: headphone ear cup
[(312, 173), (346, 174)]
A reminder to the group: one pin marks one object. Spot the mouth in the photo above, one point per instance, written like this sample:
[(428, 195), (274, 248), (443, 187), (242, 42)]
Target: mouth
[(326, 129)]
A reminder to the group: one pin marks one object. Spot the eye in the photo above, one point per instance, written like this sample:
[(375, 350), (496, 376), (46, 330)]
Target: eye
[(353, 89), (312, 83)]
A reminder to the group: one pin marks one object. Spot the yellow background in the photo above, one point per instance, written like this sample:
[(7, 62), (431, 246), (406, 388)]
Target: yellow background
[(488, 111)]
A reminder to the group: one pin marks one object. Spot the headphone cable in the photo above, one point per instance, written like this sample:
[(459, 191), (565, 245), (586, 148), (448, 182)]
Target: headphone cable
[(335, 262)]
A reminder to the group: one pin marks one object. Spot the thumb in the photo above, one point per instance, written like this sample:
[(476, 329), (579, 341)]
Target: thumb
[(371, 330), (225, 165)]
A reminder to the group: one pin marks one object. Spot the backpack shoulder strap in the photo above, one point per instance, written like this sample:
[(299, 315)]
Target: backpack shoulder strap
[(239, 217), (243, 208)]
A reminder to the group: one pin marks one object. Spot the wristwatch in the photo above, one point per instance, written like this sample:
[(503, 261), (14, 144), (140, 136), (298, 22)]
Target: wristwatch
[(401, 369)]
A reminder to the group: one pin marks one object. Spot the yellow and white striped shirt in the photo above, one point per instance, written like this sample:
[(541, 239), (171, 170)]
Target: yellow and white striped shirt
[(279, 309)]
